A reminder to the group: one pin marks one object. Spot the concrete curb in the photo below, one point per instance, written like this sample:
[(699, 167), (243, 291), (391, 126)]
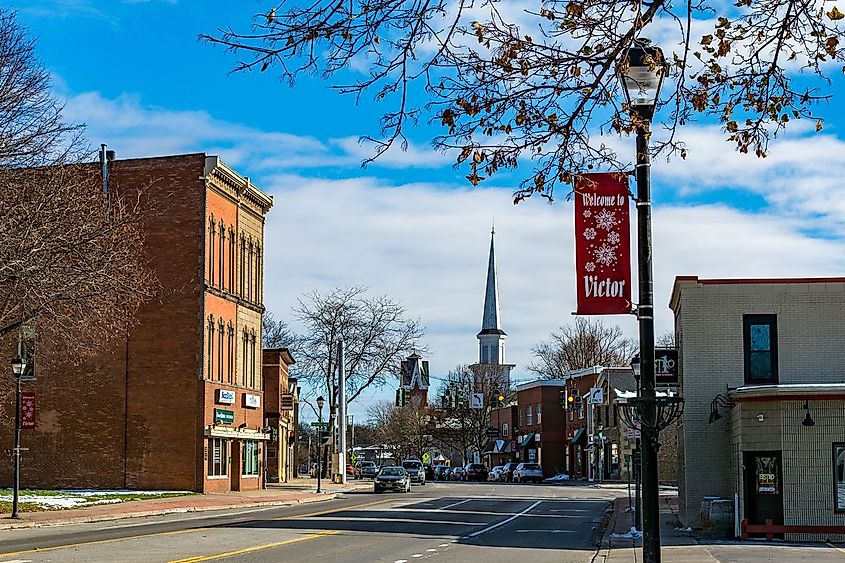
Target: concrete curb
[(161, 512)]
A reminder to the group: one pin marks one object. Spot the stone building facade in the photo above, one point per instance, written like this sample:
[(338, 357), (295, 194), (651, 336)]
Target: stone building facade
[(178, 402), (761, 371)]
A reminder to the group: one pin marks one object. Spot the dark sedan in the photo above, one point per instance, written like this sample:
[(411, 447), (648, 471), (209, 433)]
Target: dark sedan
[(475, 472), (392, 479)]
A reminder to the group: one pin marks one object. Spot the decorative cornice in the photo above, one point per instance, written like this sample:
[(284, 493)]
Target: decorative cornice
[(226, 178)]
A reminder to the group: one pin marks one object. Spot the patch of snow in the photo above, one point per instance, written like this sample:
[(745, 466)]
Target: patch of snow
[(556, 478), (632, 534)]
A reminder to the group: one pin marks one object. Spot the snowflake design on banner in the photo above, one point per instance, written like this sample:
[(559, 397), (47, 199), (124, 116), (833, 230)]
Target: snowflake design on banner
[(589, 234), (588, 213), (606, 220), (589, 266), (605, 255), (613, 238)]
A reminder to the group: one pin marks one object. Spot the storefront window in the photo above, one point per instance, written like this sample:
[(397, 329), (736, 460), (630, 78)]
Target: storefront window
[(250, 458), (839, 476), (218, 457)]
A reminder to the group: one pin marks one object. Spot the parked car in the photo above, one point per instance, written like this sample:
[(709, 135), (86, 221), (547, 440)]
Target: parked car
[(457, 474), (507, 472), (392, 478), (366, 469), (527, 472), (415, 470), (494, 473), (429, 472), (444, 473), (474, 472)]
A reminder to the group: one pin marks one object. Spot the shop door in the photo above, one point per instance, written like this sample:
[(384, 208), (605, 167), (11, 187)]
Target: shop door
[(763, 487), (235, 466)]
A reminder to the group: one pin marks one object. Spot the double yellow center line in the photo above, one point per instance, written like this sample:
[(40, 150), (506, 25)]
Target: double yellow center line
[(255, 548)]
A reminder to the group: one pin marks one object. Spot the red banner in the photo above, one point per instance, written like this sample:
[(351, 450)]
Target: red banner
[(27, 410), (602, 244)]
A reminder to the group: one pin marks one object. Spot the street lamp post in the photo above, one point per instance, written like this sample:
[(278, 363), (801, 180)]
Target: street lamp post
[(642, 71), (320, 402), (18, 367)]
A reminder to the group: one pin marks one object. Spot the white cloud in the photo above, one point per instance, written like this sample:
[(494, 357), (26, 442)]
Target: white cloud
[(426, 244)]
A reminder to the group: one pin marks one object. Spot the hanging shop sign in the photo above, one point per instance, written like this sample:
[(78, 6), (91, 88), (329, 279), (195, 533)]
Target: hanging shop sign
[(666, 366), (28, 410), (286, 402), (602, 244)]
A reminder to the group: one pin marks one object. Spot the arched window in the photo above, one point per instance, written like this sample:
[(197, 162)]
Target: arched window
[(252, 361), (232, 243), (210, 347), (231, 355), (221, 274), (245, 358), (221, 329), (211, 241), (242, 273), (259, 275), (249, 278)]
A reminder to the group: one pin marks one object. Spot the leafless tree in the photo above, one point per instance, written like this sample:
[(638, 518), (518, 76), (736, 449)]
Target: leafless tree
[(402, 430), (456, 424), (276, 333), (666, 340), (513, 80), (586, 343)]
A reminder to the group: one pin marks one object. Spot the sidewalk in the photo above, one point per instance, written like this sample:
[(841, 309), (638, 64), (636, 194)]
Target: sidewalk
[(284, 494), (619, 546)]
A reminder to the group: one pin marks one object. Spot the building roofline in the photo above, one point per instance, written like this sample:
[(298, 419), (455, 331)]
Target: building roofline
[(244, 185), (787, 391), (692, 280), (541, 383)]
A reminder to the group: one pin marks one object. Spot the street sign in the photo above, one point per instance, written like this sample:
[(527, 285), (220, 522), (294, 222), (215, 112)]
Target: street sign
[(316, 424), (426, 458), (632, 433), (492, 432), (477, 401), (596, 395)]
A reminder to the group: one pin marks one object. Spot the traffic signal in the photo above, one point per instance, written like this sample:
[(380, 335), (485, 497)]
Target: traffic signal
[(498, 400), (324, 437), (571, 400), (562, 394), (291, 438)]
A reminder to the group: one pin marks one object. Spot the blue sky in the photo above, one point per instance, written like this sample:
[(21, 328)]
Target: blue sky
[(409, 225)]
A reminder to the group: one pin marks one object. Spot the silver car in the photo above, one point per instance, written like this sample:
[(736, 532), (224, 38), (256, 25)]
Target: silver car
[(415, 470), (392, 478), (526, 472)]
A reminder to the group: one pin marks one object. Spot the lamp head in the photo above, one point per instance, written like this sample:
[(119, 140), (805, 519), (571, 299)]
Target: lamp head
[(635, 365), (641, 71), (808, 420), (714, 416), (320, 402), (18, 366)]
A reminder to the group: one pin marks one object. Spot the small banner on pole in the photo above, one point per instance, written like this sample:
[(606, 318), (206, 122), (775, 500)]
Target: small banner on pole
[(28, 410), (602, 244)]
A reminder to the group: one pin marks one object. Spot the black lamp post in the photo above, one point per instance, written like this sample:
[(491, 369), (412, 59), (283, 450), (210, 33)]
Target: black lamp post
[(18, 367), (320, 402), (641, 72), (635, 367)]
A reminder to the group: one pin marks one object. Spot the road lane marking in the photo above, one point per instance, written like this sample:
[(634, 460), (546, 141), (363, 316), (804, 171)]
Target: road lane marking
[(417, 555), (99, 542), (454, 504), (352, 507), (546, 531), (255, 548), (176, 532), (503, 522)]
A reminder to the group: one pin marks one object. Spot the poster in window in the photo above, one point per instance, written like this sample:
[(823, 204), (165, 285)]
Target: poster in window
[(839, 475), (767, 476)]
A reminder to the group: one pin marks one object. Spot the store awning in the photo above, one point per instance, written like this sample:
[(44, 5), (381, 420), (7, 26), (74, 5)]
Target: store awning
[(235, 433), (580, 437), (529, 441)]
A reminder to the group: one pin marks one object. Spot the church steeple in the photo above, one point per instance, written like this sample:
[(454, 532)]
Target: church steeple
[(491, 339)]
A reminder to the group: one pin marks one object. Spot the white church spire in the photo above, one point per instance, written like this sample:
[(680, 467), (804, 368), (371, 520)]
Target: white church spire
[(491, 339)]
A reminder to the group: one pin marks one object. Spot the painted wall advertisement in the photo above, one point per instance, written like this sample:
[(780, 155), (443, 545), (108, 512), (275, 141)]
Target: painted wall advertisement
[(602, 244)]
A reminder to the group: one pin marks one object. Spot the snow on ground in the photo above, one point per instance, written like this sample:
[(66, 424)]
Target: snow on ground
[(76, 498)]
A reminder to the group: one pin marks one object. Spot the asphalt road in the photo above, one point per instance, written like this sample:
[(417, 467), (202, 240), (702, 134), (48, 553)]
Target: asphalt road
[(439, 521)]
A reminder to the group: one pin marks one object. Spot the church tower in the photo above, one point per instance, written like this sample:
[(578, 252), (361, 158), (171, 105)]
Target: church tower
[(491, 340)]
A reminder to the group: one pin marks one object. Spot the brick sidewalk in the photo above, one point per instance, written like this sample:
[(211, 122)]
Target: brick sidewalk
[(274, 496)]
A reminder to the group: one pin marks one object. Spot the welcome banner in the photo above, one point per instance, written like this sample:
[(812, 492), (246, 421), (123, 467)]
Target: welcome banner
[(602, 244)]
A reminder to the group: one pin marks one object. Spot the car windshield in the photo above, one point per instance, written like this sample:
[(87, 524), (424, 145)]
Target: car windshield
[(476, 466), (392, 471), (531, 466), (411, 464), (367, 464)]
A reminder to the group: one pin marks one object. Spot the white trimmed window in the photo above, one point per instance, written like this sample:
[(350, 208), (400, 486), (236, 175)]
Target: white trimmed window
[(218, 457), (250, 458), (539, 415), (529, 416)]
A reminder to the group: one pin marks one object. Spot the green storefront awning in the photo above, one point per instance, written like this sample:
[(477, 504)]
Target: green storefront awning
[(580, 437)]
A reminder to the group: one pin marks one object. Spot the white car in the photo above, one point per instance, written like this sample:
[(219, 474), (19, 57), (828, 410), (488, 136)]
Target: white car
[(526, 472), (494, 473)]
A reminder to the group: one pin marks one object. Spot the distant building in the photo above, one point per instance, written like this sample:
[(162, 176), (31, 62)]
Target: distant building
[(281, 414), (178, 403), (541, 423), (415, 379), (761, 371)]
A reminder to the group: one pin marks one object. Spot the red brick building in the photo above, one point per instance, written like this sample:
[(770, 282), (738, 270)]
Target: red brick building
[(281, 414), (577, 386), (542, 426), (178, 402)]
